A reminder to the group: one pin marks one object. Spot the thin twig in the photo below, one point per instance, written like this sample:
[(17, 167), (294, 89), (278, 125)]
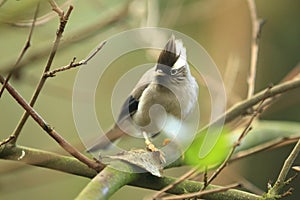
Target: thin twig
[(263, 147), (46, 127), (200, 193), (56, 8), (73, 64), (237, 143), (24, 50), (62, 25), (7, 140), (256, 30), (179, 180), (288, 164)]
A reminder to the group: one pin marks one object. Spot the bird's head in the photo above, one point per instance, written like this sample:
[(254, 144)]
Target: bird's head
[(172, 62)]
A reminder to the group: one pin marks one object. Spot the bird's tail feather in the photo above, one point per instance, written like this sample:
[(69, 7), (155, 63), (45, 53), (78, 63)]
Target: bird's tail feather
[(105, 140)]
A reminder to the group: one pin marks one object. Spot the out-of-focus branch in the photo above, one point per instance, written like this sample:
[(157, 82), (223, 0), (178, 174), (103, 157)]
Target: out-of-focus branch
[(276, 143), (24, 50), (75, 37), (256, 32), (242, 107)]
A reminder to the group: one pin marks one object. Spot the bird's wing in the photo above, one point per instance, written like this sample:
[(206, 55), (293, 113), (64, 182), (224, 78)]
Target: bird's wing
[(130, 106)]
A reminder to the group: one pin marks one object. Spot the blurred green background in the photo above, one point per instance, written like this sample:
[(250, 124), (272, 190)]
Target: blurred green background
[(223, 28)]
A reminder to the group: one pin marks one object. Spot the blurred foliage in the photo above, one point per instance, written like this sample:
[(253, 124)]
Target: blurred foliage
[(222, 27), (216, 155)]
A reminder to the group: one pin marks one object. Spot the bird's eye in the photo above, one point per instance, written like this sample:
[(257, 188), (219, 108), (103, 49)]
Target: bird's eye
[(173, 71)]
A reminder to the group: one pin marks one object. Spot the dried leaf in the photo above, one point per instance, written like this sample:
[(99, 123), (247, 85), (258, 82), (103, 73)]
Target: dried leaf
[(149, 161)]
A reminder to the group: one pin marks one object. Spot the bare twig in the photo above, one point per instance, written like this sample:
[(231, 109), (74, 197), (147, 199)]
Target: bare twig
[(256, 30), (56, 8), (73, 64), (7, 140), (237, 143), (263, 147), (63, 22), (179, 180), (200, 193), (281, 180), (24, 50), (46, 127)]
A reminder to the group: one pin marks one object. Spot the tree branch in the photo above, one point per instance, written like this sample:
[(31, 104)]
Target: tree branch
[(75, 37), (242, 107), (256, 30), (73, 64), (62, 25), (281, 180), (45, 159), (46, 127), (71, 165)]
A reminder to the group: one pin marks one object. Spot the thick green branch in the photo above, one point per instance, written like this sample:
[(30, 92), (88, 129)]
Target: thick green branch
[(263, 132), (46, 159)]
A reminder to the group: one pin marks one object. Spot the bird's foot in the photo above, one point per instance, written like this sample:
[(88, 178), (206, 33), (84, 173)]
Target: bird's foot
[(152, 148)]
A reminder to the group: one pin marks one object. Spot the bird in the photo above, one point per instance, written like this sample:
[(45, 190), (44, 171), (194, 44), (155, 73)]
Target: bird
[(166, 88)]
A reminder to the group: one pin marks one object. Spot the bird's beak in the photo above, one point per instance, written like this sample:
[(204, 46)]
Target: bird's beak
[(159, 72)]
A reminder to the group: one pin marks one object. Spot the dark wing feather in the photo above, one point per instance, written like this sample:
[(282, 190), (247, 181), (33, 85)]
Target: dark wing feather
[(131, 104)]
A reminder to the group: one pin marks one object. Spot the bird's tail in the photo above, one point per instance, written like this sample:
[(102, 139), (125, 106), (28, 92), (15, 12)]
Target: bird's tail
[(105, 140)]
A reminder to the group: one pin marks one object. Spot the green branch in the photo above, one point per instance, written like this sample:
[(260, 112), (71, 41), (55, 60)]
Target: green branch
[(46, 159), (263, 132)]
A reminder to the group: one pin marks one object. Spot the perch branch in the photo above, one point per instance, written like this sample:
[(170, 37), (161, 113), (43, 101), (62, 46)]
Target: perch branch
[(45, 159), (46, 127), (179, 180), (63, 22), (24, 50)]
